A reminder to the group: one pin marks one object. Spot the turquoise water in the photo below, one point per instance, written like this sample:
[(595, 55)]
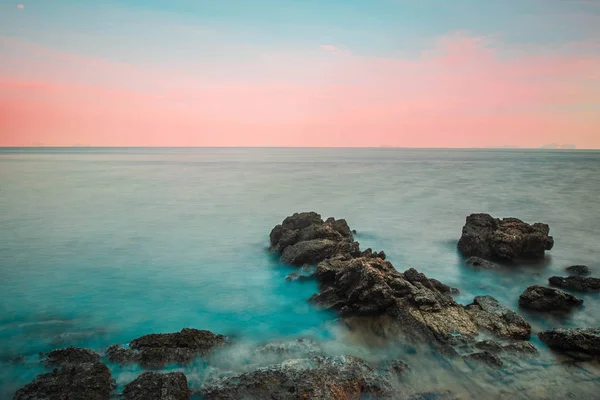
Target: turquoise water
[(99, 246)]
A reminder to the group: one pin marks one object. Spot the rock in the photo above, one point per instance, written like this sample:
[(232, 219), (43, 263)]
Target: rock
[(298, 346), (576, 283), (489, 345), (157, 386), (541, 298), (577, 342), (490, 315), (323, 378), (86, 381), (580, 270), (481, 263), (520, 348), (70, 355), (504, 239), (316, 250), (158, 349), (485, 357), (446, 395), (395, 367)]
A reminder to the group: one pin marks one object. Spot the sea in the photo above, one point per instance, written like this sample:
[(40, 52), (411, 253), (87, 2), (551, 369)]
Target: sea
[(99, 246)]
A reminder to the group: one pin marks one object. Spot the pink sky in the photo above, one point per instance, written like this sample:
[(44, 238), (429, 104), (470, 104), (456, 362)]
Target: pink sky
[(460, 92)]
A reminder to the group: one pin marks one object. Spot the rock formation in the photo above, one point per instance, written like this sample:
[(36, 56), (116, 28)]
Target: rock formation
[(157, 386), (577, 342), (576, 283), (541, 298), (580, 270), (70, 355)]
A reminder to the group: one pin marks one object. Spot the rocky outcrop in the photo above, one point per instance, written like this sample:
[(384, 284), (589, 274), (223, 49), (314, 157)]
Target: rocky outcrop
[(576, 283), (158, 349), (580, 270), (480, 263), (485, 357), (541, 298), (503, 239), (577, 342), (70, 355), (324, 378), (491, 316), (157, 386), (85, 381)]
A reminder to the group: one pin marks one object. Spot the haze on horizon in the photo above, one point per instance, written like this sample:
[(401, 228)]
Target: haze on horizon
[(331, 73)]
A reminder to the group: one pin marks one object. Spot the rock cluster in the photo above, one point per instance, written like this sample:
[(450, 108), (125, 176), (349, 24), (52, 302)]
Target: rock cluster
[(541, 298), (577, 342), (157, 386), (576, 283)]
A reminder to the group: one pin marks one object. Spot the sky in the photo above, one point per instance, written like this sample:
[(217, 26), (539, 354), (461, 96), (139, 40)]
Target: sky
[(335, 73)]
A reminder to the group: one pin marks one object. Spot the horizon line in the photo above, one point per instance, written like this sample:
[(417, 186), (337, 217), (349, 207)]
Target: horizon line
[(293, 147)]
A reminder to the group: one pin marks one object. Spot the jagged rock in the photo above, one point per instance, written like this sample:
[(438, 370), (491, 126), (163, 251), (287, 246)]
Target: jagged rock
[(479, 262), (503, 239), (324, 378), (70, 355), (490, 315), (489, 345), (577, 342), (520, 348), (316, 250), (541, 298), (158, 349), (580, 270), (576, 283), (157, 386), (485, 357), (86, 381)]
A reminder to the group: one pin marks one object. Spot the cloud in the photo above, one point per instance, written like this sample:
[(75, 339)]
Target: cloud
[(334, 49), (20, 6)]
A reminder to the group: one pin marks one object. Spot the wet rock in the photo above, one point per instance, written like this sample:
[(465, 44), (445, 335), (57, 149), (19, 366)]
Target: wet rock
[(70, 355), (489, 345), (316, 250), (580, 270), (324, 378), (446, 395), (520, 348), (576, 283), (490, 315), (504, 239), (485, 357), (87, 381), (577, 342), (541, 298), (479, 262), (158, 349), (157, 386)]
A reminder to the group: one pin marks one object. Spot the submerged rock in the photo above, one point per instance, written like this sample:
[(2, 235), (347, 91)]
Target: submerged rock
[(307, 272), (485, 357), (489, 345), (580, 270), (157, 386), (479, 262), (504, 239), (70, 355), (324, 378), (541, 298), (577, 342), (576, 283), (520, 348), (86, 381), (490, 315), (158, 349)]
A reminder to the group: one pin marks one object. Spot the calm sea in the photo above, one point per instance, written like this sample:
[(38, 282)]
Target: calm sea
[(99, 246)]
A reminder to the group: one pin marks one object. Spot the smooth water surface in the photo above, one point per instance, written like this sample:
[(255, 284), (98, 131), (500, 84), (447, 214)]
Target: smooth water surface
[(99, 246)]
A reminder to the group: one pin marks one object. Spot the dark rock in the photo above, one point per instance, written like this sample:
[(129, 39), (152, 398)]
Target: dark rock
[(489, 345), (481, 263), (70, 355), (577, 342), (317, 250), (324, 378), (576, 283), (485, 357), (580, 270), (156, 386), (158, 349), (354, 231), (541, 298), (503, 239), (490, 315), (87, 381), (520, 348)]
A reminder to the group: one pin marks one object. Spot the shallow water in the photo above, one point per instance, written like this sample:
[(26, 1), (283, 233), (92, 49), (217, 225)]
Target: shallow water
[(99, 246)]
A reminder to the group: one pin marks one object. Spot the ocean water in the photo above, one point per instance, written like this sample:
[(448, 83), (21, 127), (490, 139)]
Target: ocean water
[(100, 246)]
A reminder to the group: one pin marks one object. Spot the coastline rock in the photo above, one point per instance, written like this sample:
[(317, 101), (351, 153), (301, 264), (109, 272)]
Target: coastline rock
[(489, 345), (504, 239), (577, 342), (70, 355), (580, 270), (157, 386), (324, 378), (541, 298), (87, 381), (485, 357), (158, 349), (576, 283), (490, 315), (481, 263), (520, 348)]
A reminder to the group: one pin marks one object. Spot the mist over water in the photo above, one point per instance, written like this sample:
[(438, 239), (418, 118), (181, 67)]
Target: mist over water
[(100, 246)]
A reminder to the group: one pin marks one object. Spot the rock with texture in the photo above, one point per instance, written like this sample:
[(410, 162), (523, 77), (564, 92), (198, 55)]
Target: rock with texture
[(541, 298), (70, 355), (157, 386), (485, 357), (503, 239), (481, 263), (577, 342), (490, 315), (580, 270), (576, 283)]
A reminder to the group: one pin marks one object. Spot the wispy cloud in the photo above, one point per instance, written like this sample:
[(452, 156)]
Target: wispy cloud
[(334, 49)]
